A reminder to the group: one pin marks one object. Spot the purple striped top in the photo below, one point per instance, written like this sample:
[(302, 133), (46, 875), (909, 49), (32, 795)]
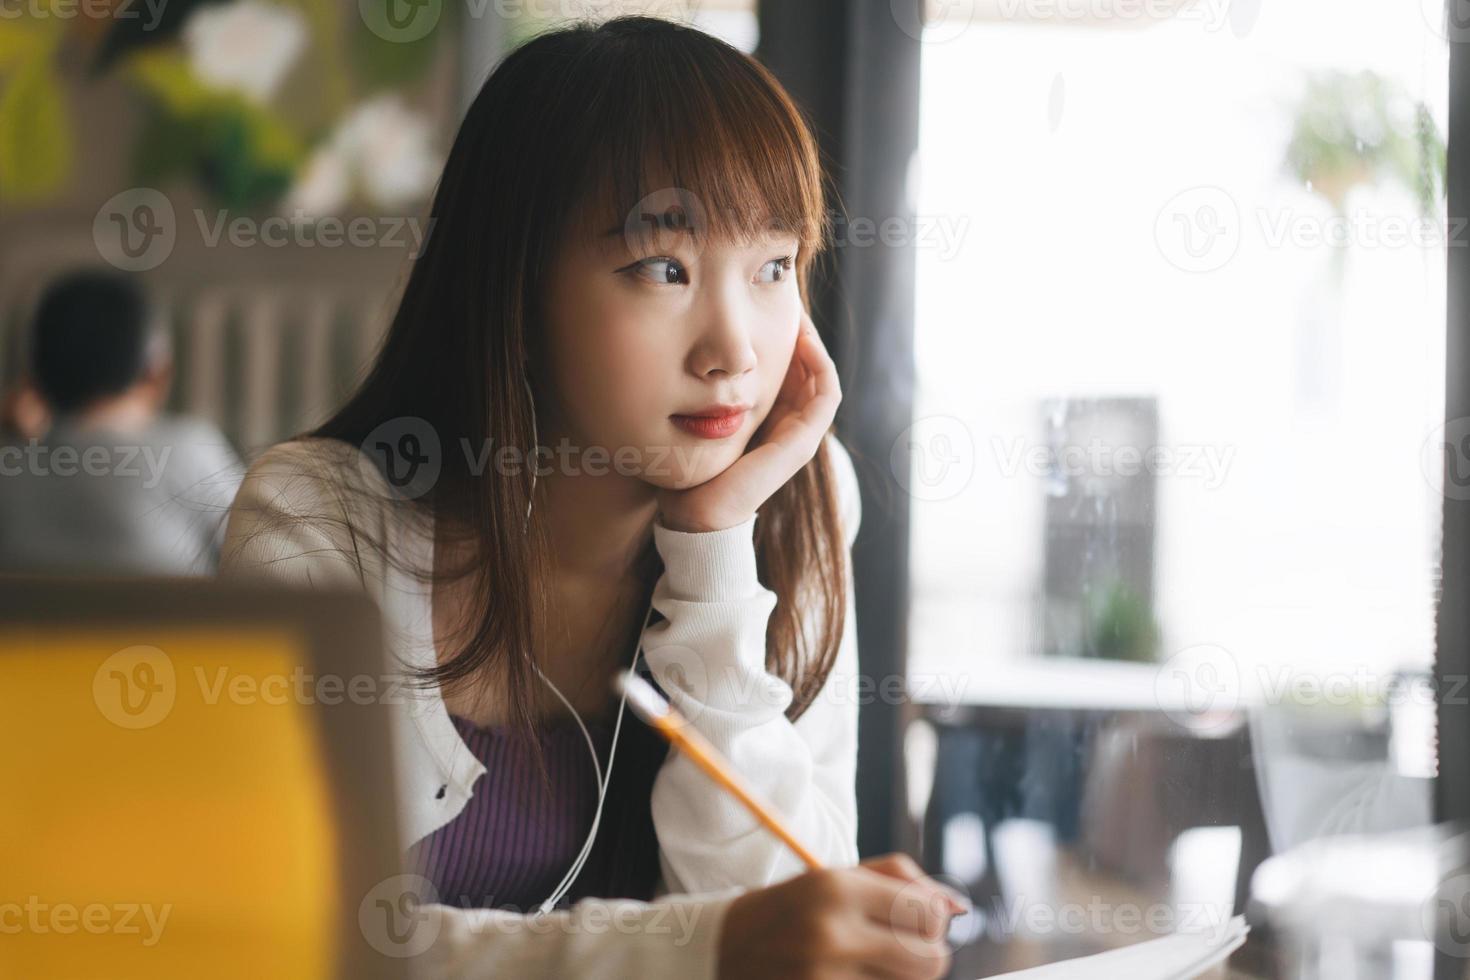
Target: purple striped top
[(516, 837)]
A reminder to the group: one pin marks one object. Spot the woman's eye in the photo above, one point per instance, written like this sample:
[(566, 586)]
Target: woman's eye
[(663, 270), (775, 270)]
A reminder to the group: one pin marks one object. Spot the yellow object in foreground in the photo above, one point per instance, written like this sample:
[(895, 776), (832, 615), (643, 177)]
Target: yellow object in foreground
[(165, 813)]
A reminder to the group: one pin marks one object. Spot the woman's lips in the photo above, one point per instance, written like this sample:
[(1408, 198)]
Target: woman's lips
[(711, 426)]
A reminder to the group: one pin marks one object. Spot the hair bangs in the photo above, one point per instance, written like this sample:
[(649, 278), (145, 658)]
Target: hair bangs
[(700, 138)]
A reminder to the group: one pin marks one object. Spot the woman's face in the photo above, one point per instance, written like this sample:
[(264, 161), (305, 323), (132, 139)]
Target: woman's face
[(640, 329)]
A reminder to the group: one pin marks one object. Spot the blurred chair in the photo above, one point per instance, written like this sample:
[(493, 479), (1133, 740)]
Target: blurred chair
[(1150, 781)]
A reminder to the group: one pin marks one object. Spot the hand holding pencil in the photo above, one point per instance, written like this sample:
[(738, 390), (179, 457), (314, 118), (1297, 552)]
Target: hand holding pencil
[(882, 918)]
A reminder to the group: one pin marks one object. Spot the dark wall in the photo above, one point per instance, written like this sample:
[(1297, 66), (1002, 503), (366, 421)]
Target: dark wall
[(856, 75)]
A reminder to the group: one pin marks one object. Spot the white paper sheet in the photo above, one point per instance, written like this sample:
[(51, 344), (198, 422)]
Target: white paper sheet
[(1182, 956)]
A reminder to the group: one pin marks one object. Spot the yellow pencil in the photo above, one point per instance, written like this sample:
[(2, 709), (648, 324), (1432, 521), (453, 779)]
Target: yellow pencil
[(652, 708)]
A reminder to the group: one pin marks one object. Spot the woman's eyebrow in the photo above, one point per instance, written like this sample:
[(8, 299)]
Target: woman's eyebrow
[(654, 225), (656, 229), (636, 238)]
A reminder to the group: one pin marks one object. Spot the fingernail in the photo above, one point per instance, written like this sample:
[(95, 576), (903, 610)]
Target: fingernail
[(959, 902)]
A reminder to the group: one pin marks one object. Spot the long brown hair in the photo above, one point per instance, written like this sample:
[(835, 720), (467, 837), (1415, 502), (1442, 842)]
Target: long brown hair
[(582, 117)]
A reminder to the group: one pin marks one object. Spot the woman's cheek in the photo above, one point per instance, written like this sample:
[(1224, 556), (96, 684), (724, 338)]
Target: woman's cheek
[(637, 402), (778, 363)]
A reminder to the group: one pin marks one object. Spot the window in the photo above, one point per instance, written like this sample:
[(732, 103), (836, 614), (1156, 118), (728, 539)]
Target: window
[(1176, 471)]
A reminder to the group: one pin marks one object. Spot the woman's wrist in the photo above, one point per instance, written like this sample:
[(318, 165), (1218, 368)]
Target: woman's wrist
[(701, 525), (708, 565)]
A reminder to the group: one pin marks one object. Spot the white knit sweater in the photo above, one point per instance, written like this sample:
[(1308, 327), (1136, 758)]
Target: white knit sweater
[(708, 655)]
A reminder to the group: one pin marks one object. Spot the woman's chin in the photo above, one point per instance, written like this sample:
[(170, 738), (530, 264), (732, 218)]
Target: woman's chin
[(686, 464), (683, 480)]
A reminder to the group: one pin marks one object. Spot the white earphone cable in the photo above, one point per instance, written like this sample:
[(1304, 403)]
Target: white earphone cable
[(603, 779)]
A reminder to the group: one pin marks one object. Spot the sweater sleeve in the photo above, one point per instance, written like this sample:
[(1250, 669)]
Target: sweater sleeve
[(285, 525), (709, 657)]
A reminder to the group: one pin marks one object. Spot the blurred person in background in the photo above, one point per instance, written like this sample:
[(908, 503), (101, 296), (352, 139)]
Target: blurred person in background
[(113, 485), (23, 411)]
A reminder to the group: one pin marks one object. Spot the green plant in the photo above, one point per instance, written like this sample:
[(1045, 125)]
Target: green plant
[(1121, 625), (1352, 128), (209, 104)]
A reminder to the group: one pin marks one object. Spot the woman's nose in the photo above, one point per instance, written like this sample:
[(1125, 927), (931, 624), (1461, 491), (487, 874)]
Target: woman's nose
[(725, 343)]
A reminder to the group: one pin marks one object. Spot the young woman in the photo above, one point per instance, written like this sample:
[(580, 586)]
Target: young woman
[(601, 399)]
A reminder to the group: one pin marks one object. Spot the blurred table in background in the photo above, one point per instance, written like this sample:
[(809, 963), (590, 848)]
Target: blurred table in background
[(1072, 807)]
